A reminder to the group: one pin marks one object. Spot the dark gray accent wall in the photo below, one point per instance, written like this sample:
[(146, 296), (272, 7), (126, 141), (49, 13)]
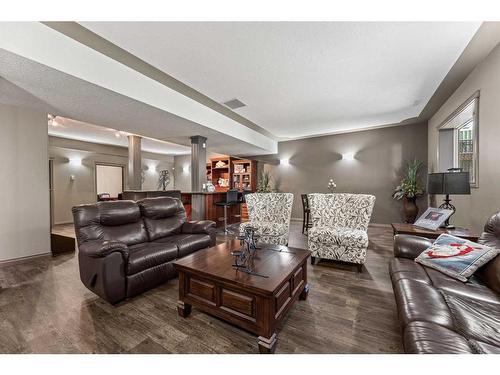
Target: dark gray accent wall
[(376, 168)]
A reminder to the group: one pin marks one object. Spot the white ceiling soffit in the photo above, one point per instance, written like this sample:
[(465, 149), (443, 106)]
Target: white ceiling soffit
[(82, 131), (302, 79), (71, 61)]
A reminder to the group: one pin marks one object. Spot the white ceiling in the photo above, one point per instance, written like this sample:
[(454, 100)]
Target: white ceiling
[(303, 79), (45, 69), (82, 131)]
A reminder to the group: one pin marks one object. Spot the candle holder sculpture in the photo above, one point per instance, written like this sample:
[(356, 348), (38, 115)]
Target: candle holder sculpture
[(243, 257)]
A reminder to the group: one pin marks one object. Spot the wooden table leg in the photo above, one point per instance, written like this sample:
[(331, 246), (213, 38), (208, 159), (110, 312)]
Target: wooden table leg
[(184, 309), (305, 292), (268, 345)]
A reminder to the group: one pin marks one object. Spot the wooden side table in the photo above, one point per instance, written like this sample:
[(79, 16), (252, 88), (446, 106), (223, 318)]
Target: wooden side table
[(403, 228)]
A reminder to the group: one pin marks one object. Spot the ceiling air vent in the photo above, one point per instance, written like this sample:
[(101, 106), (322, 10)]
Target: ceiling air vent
[(234, 104)]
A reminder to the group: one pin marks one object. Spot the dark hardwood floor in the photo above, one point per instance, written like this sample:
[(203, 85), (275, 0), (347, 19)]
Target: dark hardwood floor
[(44, 308)]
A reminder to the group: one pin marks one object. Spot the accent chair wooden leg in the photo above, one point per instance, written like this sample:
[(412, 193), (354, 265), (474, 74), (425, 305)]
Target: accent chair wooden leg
[(313, 260), (360, 268)]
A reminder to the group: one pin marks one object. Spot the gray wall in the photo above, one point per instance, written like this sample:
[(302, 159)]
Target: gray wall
[(25, 215), (473, 210), (69, 193), (379, 156), (182, 177)]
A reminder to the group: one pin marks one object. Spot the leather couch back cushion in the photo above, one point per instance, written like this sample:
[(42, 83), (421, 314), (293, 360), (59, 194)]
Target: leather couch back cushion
[(490, 274), (160, 208), (164, 227), (87, 223), (118, 213), (163, 216), (130, 234)]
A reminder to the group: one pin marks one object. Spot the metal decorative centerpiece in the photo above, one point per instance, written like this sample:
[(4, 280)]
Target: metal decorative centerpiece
[(243, 257)]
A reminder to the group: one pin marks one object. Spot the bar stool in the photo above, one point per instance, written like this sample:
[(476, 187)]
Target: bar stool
[(231, 200), (305, 213)]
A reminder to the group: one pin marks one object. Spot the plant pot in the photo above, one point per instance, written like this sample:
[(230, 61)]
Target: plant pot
[(410, 209)]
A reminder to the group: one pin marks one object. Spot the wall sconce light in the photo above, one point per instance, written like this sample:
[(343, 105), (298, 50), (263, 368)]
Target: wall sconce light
[(185, 169), (72, 177), (75, 161), (284, 162), (348, 156), (151, 168)]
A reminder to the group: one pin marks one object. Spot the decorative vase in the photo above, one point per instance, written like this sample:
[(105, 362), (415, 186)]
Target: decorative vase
[(410, 209)]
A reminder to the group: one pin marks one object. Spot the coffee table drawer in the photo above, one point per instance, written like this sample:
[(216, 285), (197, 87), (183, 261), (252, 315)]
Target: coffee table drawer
[(238, 304), (201, 290)]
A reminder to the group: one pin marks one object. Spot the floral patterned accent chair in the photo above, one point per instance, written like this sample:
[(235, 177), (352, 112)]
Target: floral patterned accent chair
[(340, 224), (269, 214)]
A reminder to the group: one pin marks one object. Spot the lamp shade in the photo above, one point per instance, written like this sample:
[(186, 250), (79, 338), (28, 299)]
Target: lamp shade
[(452, 183)]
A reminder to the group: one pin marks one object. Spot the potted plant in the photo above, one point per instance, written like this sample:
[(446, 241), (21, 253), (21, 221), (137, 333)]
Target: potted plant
[(409, 190), (264, 182)]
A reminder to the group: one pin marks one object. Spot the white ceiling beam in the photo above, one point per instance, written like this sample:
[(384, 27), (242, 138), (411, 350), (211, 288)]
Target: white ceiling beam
[(42, 44)]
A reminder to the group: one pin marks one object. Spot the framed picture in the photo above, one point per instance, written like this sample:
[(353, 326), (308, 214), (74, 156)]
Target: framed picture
[(433, 218)]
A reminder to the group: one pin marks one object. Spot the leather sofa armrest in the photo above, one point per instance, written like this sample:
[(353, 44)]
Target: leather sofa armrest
[(100, 249), (408, 246), (198, 227)]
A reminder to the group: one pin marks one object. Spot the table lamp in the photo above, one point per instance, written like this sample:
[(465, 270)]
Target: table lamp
[(453, 182)]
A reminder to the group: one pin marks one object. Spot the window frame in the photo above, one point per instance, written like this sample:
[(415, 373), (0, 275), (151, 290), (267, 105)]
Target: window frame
[(475, 131)]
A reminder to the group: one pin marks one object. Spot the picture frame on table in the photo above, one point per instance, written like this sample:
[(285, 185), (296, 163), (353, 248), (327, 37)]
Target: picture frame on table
[(433, 218)]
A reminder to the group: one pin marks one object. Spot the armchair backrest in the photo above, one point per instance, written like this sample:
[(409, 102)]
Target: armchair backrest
[(270, 207), (341, 210)]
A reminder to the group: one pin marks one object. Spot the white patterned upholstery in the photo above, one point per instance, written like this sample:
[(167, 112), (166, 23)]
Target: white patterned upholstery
[(270, 214), (340, 223)]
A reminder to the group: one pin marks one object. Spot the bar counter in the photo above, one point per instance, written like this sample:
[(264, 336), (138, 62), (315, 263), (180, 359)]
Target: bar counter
[(200, 205)]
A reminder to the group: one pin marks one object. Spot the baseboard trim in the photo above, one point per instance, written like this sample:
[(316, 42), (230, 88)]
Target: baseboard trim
[(29, 258)]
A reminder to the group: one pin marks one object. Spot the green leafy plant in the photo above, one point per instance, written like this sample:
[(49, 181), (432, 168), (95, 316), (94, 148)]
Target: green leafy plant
[(264, 182), (409, 186)]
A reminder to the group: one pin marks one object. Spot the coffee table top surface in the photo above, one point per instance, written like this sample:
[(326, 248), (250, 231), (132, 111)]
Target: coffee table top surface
[(216, 262)]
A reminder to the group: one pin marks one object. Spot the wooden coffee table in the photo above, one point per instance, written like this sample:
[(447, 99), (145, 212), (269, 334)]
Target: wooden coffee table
[(257, 304)]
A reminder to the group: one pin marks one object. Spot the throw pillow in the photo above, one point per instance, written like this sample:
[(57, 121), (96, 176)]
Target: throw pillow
[(456, 257)]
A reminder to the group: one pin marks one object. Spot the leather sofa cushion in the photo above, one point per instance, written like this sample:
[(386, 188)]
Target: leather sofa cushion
[(163, 216), (187, 243), (429, 338), (147, 255), (159, 228), (490, 274), (129, 234), (150, 278), (118, 213), (418, 301), (477, 320), (472, 289), (402, 268), (160, 207), (484, 348)]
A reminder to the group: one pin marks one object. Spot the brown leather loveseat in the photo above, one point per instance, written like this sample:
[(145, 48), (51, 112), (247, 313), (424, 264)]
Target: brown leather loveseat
[(126, 247), (440, 314)]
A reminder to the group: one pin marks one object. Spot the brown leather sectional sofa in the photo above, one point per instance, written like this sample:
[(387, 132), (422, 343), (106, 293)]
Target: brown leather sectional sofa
[(126, 247), (440, 314)]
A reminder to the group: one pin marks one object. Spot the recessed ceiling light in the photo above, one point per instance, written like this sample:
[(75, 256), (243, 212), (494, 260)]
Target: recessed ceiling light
[(117, 134), (234, 104)]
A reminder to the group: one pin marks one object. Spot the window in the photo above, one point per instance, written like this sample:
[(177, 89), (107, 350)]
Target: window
[(458, 140)]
